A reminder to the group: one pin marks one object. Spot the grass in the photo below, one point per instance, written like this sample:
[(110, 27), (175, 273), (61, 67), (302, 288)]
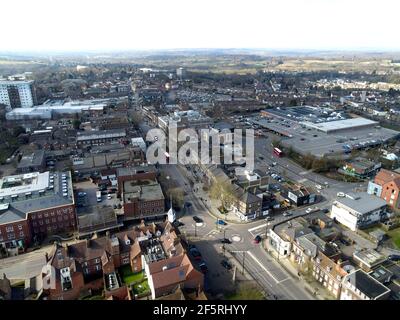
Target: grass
[(129, 277), (141, 287), (395, 236), (246, 292)]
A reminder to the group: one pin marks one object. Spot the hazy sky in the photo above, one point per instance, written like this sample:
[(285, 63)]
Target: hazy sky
[(163, 24)]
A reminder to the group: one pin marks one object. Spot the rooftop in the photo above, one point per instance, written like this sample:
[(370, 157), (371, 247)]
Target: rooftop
[(367, 284), (149, 191), (361, 202), (369, 257)]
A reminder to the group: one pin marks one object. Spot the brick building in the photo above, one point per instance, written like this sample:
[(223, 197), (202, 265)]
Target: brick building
[(386, 185), (35, 205)]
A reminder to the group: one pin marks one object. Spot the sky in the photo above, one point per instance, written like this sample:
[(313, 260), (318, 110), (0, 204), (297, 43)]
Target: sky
[(81, 25)]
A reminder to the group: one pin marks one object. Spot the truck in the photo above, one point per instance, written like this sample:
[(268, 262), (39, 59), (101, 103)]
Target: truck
[(98, 196)]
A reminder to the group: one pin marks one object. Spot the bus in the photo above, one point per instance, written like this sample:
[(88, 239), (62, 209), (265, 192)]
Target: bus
[(278, 152)]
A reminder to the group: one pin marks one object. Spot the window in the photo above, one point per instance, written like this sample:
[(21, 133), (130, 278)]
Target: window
[(20, 227), (98, 267), (9, 228), (21, 234)]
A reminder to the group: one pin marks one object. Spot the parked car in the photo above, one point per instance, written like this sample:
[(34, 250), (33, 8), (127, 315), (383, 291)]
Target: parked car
[(197, 219), (269, 218), (203, 267), (221, 222), (326, 210), (394, 257), (226, 240), (287, 214), (226, 264), (257, 239), (341, 194), (195, 254), (109, 197)]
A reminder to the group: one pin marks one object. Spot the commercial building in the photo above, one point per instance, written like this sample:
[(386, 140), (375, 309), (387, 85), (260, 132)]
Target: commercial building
[(358, 210), (142, 199), (34, 161), (34, 205), (297, 195), (360, 168), (386, 185), (17, 94), (99, 137)]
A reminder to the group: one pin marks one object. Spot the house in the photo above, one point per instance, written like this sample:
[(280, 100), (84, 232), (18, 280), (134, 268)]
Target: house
[(246, 205), (386, 185), (359, 285), (329, 272), (358, 210)]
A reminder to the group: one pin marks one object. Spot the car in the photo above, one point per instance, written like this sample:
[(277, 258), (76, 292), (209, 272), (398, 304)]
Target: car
[(195, 253), (261, 158), (274, 163), (188, 204), (287, 214), (345, 242), (309, 210), (203, 267), (197, 219), (326, 210), (257, 239), (177, 223), (226, 264), (226, 240), (109, 197), (341, 194), (221, 222), (191, 246), (269, 218), (394, 257)]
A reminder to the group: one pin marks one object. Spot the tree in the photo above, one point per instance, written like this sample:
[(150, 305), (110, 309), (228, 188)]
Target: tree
[(223, 190), (76, 123)]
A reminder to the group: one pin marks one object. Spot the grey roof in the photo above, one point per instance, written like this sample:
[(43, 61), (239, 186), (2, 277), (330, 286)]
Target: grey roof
[(127, 171), (362, 202), (11, 215), (100, 134), (32, 160), (367, 284)]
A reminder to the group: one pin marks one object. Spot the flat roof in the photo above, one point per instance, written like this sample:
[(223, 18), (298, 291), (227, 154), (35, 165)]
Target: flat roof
[(337, 125), (361, 202), (147, 192)]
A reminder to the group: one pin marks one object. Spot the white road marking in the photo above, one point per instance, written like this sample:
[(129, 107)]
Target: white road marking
[(262, 267), (258, 227), (302, 180)]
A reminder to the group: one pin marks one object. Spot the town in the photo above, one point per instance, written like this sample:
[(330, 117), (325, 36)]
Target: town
[(86, 214)]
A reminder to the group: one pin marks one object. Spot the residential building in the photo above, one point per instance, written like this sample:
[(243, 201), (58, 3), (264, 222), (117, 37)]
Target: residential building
[(329, 273), (359, 285), (386, 185), (17, 94), (246, 205), (358, 210)]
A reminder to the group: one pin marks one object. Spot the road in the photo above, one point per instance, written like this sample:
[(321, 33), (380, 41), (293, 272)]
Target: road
[(258, 263)]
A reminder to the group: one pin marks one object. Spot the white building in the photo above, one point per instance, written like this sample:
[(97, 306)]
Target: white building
[(17, 94), (358, 210)]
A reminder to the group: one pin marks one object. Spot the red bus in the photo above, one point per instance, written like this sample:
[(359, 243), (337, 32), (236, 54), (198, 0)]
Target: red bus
[(278, 152)]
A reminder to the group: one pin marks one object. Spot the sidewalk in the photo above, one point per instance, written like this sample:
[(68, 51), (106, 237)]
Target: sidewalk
[(321, 293)]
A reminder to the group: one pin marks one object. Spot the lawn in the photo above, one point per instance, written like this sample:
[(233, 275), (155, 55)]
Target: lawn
[(246, 292), (129, 277), (395, 236), (140, 288)]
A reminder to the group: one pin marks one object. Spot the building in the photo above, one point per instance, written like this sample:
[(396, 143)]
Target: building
[(386, 185), (246, 205), (329, 273), (142, 199), (359, 285), (17, 94), (135, 173), (99, 137), (358, 210), (34, 205), (368, 259), (297, 195), (360, 168), (34, 161)]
